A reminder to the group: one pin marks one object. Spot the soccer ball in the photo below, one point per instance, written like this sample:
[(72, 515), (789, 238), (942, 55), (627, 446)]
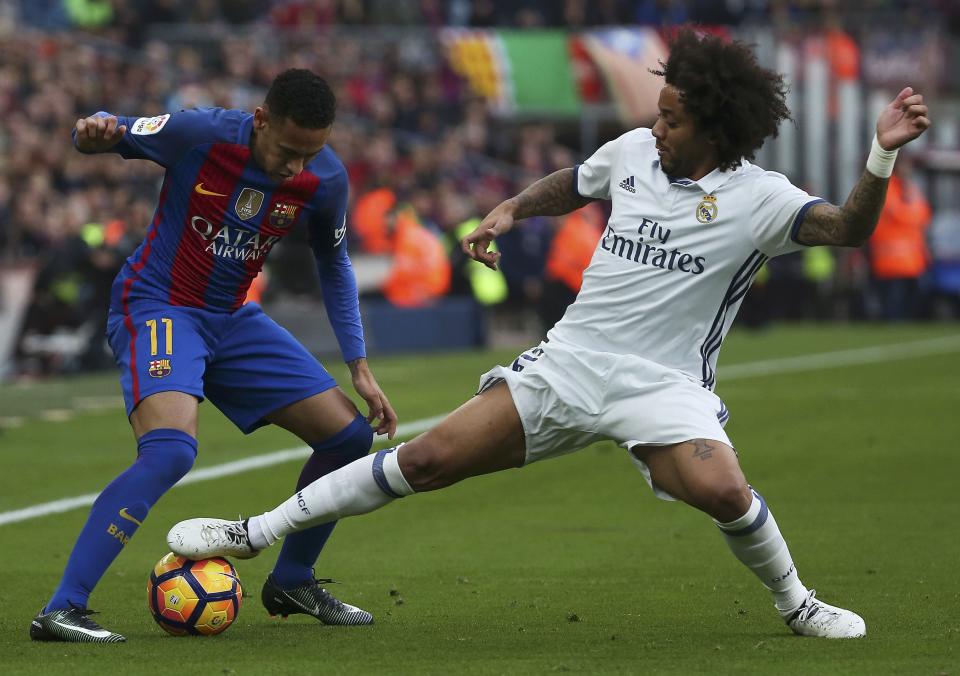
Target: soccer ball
[(194, 597)]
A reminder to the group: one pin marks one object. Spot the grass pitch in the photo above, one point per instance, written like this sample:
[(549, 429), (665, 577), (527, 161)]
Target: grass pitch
[(567, 565)]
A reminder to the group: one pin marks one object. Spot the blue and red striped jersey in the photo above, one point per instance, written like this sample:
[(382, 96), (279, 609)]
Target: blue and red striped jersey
[(219, 215)]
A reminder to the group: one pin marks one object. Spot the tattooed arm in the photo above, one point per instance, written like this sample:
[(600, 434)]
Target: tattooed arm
[(552, 195), (849, 225), (853, 223)]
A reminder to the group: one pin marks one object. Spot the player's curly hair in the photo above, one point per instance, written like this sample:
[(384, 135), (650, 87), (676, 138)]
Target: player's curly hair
[(729, 95), (302, 96)]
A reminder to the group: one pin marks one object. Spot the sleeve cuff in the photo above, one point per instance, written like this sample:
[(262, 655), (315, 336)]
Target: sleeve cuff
[(798, 219), (347, 358)]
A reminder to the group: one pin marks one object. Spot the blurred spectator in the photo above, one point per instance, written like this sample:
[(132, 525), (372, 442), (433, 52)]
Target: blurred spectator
[(470, 278), (370, 215), (305, 14), (661, 12), (898, 248), (524, 259), (72, 291), (420, 272), (89, 13), (46, 14), (569, 255), (819, 271)]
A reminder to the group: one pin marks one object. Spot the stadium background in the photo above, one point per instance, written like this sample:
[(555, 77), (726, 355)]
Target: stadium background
[(566, 566), (445, 108)]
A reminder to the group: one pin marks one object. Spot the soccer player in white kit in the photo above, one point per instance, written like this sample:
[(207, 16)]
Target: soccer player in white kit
[(634, 357)]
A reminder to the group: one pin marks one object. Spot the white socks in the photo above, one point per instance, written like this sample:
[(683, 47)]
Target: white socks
[(375, 480), (360, 487), (756, 541)]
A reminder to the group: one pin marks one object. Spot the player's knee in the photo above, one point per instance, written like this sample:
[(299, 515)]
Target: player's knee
[(724, 500), (424, 466), (179, 459), (359, 442), (169, 453), (351, 443)]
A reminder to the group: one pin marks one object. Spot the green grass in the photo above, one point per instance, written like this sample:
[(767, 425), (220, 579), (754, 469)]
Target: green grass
[(568, 565)]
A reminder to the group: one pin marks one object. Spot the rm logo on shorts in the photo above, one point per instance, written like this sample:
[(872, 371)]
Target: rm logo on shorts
[(530, 355)]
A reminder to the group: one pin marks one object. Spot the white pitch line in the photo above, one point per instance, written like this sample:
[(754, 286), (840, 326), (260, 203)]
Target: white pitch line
[(852, 357), (809, 362), (203, 474)]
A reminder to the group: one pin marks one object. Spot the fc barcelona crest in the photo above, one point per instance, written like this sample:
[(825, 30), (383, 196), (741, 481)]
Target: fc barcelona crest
[(707, 209), (249, 203), (159, 368), (283, 215)]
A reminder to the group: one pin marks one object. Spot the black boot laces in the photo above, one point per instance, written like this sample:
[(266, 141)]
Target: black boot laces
[(322, 595), (81, 616)]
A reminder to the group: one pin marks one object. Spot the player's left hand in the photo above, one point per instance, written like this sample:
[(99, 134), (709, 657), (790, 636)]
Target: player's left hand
[(903, 120), (477, 244), (380, 410)]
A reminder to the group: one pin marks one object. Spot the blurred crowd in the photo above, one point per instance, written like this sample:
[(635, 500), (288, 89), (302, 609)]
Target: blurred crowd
[(406, 124), (129, 21), (423, 154)]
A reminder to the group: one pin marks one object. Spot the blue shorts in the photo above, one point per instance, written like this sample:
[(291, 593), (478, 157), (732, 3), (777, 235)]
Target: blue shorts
[(244, 362)]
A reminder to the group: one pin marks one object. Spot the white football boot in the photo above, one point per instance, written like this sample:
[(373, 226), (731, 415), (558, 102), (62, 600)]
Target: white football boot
[(205, 538), (816, 618)]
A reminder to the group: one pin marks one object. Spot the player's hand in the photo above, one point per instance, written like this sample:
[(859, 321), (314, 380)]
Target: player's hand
[(96, 134), (903, 120), (380, 410), (477, 243)]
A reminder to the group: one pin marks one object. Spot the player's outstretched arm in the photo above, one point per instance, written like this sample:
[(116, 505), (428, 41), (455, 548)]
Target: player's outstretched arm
[(552, 195), (853, 223), (378, 404), (98, 133)]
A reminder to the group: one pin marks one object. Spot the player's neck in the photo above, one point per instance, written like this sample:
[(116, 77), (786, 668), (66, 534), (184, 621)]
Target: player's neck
[(257, 157), (702, 169), (253, 149)]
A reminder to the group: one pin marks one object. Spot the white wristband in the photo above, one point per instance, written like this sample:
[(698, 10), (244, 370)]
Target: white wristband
[(880, 161)]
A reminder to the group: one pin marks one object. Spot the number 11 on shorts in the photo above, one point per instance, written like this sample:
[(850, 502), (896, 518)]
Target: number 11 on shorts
[(168, 335)]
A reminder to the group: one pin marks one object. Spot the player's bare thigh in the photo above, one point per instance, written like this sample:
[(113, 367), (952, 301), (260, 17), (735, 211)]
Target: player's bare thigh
[(704, 473), (166, 410), (318, 417), (484, 435)]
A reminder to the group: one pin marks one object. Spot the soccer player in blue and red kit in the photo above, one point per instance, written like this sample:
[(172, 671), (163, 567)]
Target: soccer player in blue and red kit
[(235, 184)]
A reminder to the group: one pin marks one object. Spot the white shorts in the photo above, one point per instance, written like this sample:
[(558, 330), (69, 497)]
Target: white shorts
[(569, 397)]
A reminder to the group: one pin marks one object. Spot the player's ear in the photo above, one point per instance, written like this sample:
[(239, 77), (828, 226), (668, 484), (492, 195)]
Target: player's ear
[(260, 117)]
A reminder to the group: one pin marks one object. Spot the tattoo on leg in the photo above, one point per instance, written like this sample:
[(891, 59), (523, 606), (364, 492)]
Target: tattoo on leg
[(702, 449)]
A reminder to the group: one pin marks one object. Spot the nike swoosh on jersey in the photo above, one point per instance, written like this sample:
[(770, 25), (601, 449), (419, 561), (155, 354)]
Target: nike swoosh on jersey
[(124, 514), (89, 632), (203, 191)]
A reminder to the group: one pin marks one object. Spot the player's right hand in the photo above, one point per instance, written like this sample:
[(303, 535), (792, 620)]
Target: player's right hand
[(96, 134), (381, 412), (477, 243)]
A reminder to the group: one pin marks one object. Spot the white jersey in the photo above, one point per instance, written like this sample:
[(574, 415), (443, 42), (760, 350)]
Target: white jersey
[(677, 256)]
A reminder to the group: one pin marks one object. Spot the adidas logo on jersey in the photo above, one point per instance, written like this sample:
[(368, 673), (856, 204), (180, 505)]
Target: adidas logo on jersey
[(627, 184)]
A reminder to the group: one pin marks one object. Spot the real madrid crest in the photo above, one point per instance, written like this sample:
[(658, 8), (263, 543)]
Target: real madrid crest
[(283, 215), (707, 209), (249, 203)]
